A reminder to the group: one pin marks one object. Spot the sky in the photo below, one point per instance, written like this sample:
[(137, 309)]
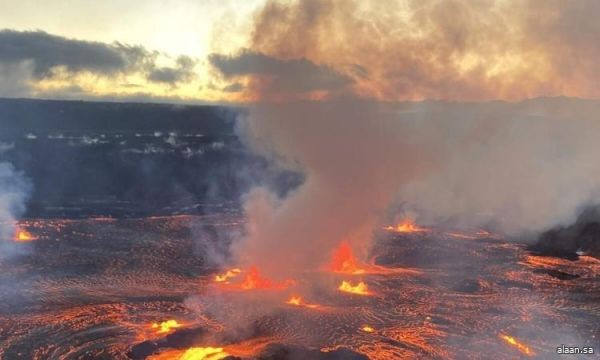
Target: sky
[(266, 50)]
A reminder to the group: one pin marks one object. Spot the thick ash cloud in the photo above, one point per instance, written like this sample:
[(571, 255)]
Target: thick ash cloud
[(295, 75), (46, 53), (447, 50), (14, 79), (182, 72)]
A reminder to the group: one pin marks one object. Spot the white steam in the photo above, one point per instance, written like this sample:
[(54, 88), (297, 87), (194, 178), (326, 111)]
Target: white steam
[(513, 167), (14, 191)]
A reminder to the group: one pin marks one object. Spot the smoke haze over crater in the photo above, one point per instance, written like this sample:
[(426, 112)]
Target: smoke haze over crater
[(415, 50), (516, 168)]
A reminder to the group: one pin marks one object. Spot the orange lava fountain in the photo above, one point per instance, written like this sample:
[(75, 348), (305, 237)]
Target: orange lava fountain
[(344, 261), (406, 226), (253, 280), (166, 326), (359, 289), (24, 236)]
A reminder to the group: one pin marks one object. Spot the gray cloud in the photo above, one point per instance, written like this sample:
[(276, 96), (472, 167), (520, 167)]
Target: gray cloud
[(46, 53), (431, 49), (295, 75), (184, 71), (14, 79)]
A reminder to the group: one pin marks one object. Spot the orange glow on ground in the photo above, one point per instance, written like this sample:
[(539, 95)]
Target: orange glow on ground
[(253, 280), (227, 275), (166, 326), (344, 262), (515, 343), (367, 329), (461, 235), (249, 348), (193, 353), (24, 236), (406, 226), (204, 353), (359, 289), (298, 301), (246, 349)]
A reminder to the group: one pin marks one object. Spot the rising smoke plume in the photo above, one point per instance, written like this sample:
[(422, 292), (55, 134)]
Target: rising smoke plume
[(427, 49), (518, 168), (14, 191)]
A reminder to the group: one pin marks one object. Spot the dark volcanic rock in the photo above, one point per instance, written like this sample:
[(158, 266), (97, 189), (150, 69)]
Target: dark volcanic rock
[(557, 274), (143, 350), (184, 338), (583, 235), (468, 286), (291, 352)]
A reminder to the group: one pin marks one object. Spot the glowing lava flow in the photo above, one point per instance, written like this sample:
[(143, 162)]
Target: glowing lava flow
[(24, 236), (344, 261), (204, 353), (227, 275), (166, 326), (297, 301), (367, 329), (359, 289), (406, 226), (520, 346), (252, 280)]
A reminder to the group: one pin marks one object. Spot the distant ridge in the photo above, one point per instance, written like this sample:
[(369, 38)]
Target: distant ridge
[(22, 115)]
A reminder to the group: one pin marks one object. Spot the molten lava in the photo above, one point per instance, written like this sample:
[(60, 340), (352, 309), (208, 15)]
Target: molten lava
[(294, 300), (359, 289), (298, 301), (204, 353), (367, 329), (344, 261), (246, 349), (520, 346), (166, 326), (24, 236), (254, 280), (227, 275), (406, 226)]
